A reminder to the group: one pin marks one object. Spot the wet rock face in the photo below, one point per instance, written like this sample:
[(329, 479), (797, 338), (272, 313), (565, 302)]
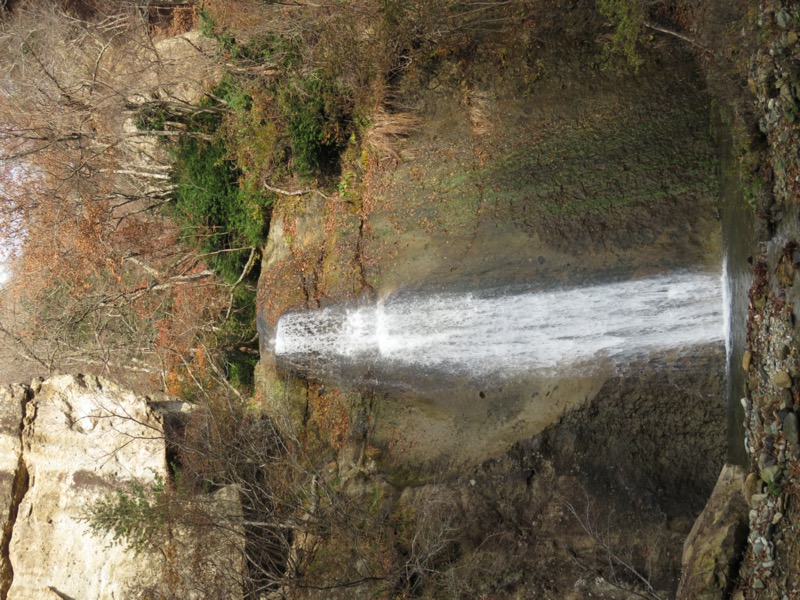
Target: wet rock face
[(65, 443)]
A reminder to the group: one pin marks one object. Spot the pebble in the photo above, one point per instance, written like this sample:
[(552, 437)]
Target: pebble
[(782, 379), (746, 358), (765, 460), (771, 474), (751, 486), (763, 546), (790, 428), (782, 18), (787, 400), (795, 450), (758, 547), (777, 518)]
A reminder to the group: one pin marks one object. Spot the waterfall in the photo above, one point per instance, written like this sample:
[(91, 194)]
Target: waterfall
[(727, 310), (497, 332)]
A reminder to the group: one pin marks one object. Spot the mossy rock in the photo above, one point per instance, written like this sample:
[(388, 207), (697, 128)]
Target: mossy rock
[(283, 398)]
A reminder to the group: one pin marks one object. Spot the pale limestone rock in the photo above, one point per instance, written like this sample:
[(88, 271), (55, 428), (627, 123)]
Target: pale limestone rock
[(192, 53), (71, 440), (715, 541), (82, 437), (182, 69)]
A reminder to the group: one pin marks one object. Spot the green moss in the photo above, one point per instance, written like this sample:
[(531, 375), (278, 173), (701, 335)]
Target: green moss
[(627, 17), (599, 165)]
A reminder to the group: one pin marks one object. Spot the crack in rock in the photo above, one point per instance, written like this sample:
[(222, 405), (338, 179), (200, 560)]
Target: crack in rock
[(19, 487)]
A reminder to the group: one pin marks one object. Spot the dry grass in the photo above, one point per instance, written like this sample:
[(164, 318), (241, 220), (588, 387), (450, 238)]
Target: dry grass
[(386, 130), (172, 21), (478, 106), (243, 17)]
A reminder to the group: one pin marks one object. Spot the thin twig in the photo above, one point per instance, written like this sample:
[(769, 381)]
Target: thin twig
[(293, 193)]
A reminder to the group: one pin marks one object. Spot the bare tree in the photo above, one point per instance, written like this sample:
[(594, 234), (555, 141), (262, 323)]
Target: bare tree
[(100, 277)]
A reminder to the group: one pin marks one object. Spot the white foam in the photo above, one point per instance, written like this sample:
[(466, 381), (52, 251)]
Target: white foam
[(511, 333)]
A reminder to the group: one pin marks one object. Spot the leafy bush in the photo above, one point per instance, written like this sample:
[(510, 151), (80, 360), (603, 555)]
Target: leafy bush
[(152, 117), (317, 122), (306, 113), (628, 18), (241, 368), (224, 219), (217, 200)]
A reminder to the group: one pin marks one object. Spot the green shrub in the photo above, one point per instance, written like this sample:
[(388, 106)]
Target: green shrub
[(241, 368), (136, 516), (627, 17), (317, 119), (233, 94), (222, 218), (306, 113), (152, 117)]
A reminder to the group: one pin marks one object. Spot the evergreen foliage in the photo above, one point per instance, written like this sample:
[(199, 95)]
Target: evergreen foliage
[(627, 17), (135, 517)]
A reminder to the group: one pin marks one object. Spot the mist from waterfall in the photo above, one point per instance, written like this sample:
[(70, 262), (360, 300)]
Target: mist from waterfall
[(504, 333)]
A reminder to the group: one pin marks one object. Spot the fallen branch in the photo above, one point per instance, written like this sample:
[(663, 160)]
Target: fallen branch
[(673, 33), (245, 271), (613, 557), (293, 193)]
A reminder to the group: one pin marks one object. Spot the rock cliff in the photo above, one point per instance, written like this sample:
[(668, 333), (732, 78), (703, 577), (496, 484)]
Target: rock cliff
[(64, 443)]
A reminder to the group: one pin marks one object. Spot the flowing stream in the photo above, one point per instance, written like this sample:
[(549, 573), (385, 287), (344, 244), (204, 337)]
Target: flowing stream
[(502, 332)]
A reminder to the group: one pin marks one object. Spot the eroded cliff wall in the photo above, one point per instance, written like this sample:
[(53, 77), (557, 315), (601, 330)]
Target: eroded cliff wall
[(64, 443)]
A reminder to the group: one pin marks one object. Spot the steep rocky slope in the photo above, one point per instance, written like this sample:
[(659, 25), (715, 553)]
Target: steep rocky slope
[(751, 547)]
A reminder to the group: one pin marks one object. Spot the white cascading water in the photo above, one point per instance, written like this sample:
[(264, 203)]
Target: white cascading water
[(483, 334), (727, 311)]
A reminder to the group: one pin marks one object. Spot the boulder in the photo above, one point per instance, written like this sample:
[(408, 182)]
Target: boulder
[(713, 547), (13, 475), (782, 379)]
